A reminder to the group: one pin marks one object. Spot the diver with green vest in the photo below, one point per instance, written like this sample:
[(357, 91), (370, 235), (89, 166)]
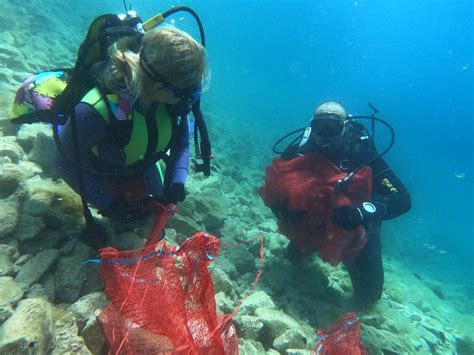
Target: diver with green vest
[(135, 115), (122, 109)]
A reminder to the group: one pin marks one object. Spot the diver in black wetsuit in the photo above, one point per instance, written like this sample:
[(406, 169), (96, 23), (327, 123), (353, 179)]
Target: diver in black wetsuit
[(347, 144)]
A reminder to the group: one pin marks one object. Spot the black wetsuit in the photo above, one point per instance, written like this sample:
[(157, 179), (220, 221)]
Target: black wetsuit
[(388, 194)]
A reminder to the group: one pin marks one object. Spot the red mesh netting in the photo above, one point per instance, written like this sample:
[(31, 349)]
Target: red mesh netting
[(162, 298), (306, 185), (341, 337)]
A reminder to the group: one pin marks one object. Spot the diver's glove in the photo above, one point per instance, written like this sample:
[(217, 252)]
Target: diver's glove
[(174, 193), (350, 217)]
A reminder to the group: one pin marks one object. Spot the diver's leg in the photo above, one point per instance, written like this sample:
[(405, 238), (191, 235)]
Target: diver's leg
[(366, 271)]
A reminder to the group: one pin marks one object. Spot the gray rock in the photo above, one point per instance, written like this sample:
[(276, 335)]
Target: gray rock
[(276, 323), (6, 312), (184, 226), (70, 273), (10, 291), (125, 241), (27, 133), (86, 306), (256, 300), (10, 179), (32, 271), (222, 282), (36, 337), (249, 326), (20, 262), (66, 338), (250, 347), (9, 148), (242, 259), (41, 152), (297, 352), (44, 289), (8, 254), (93, 334), (291, 339), (223, 303), (28, 227), (9, 215)]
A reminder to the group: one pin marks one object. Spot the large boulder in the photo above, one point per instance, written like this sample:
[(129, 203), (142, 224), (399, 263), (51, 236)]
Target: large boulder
[(11, 178), (34, 269), (41, 152), (29, 330), (9, 216), (86, 306), (69, 275), (8, 255), (10, 291)]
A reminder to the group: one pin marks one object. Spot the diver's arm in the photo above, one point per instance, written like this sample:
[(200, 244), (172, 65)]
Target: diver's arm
[(389, 194)]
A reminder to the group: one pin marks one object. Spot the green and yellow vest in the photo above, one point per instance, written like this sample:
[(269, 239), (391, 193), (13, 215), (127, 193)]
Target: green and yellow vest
[(146, 139)]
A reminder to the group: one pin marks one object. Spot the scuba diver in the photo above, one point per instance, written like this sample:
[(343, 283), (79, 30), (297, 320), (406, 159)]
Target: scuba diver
[(146, 118), (330, 190), (122, 109)]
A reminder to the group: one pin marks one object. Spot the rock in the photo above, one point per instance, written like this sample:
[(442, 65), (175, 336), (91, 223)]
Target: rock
[(242, 259), (10, 291), (290, 339), (45, 289), (36, 337), (222, 282), (250, 347), (41, 153), (32, 271), (86, 306), (27, 133), (28, 227), (8, 255), (223, 303), (29, 169), (9, 148), (9, 216), (20, 262), (465, 345), (125, 241), (66, 338), (10, 179), (184, 226), (256, 300), (276, 323), (93, 334), (6, 312), (249, 326), (70, 273), (297, 352)]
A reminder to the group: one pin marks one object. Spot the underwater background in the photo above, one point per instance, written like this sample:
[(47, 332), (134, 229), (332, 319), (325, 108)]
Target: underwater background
[(270, 64)]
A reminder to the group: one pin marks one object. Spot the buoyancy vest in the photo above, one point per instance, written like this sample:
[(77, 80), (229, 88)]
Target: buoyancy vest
[(305, 188), (139, 137)]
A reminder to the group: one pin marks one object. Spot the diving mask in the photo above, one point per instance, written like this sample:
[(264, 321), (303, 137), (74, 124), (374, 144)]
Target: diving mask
[(327, 125)]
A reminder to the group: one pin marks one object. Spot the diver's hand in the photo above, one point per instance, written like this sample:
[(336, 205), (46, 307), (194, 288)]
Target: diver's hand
[(174, 193), (350, 217)]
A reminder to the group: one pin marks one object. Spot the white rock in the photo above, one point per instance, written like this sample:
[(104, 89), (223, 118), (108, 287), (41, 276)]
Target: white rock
[(10, 291), (256, 300), (29, 329)]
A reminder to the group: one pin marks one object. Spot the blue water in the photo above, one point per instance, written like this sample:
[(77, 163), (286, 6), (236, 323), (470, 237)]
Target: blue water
[(272, 62)]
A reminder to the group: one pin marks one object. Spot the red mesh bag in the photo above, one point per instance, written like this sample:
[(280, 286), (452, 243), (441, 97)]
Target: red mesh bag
[(162, 298), (340, 338), (306, 185)]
